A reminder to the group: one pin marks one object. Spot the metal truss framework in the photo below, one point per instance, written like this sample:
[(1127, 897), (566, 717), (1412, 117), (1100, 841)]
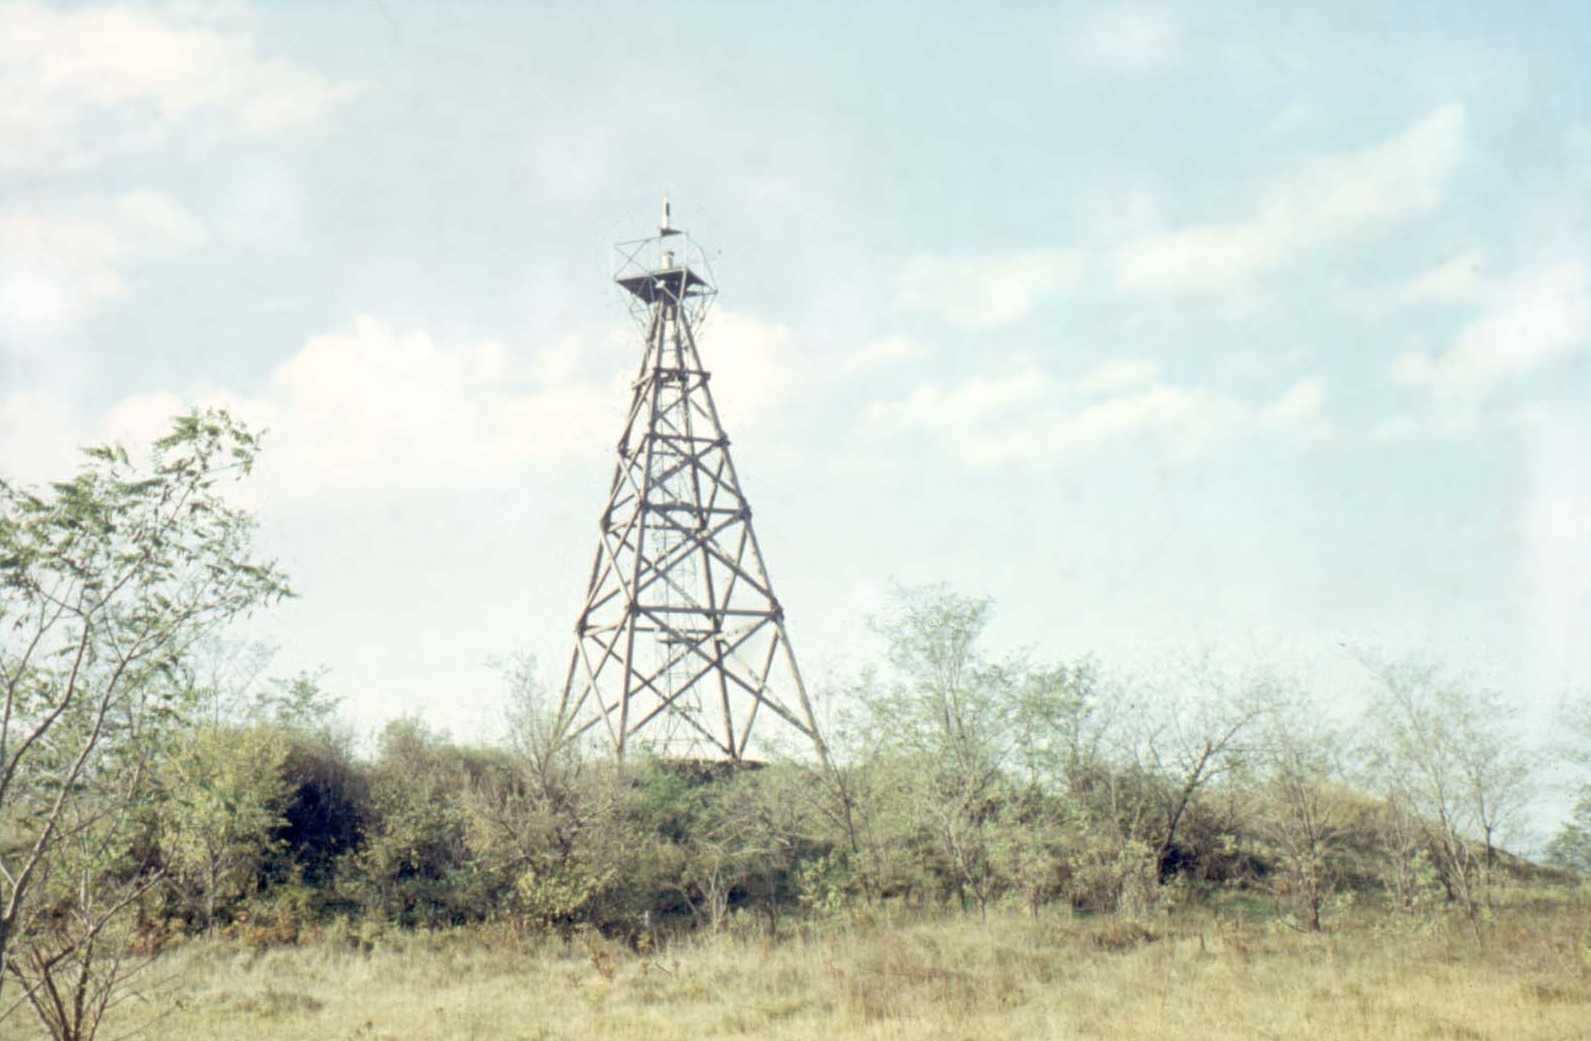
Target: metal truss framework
[(681, 635)]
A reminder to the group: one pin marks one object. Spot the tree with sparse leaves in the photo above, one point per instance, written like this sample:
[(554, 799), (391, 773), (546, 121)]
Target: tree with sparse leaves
[(964, 725), (106, 580), (1441, 752), (1303, 813), (1571, 847)]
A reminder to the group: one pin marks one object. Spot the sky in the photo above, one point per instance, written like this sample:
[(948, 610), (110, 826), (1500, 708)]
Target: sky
[(1173, 329)]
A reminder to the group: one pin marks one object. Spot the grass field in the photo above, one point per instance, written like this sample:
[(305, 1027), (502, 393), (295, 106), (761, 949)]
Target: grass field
[(1197, 974)]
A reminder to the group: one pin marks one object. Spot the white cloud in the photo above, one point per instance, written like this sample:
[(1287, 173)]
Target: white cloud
[(1399, 427), (161, 217), (1160, 407), (141, 418), (1027, 416), (62, 260), (1526, 323), (1128, 37), (1556, 525), (752, 364), (373, 407), (37, 437), (883, 351), (32, 300), (965, 408), (985, 291), (1118, 375), (85, 84), (1330, 200), (1299, 408), (1458, 280)]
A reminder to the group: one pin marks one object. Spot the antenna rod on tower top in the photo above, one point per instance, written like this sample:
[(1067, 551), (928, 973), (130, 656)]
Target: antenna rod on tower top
[(664, 226)]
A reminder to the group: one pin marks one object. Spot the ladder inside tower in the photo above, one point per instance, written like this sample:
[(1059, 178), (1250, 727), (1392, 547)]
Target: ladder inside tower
[(675, 660)]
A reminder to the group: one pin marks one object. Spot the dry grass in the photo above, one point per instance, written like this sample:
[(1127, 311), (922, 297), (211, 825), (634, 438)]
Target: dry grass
[(1196, 975)]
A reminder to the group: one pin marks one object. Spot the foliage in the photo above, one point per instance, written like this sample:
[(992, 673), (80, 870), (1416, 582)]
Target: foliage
[(953, 779), (1571, 846), (1303, 812), (106, 580), (962, 723), (221, 807), (325, 813), (1451, 772), (414, 857)]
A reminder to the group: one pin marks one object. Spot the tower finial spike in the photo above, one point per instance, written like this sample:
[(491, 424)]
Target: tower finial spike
[(664, 226)]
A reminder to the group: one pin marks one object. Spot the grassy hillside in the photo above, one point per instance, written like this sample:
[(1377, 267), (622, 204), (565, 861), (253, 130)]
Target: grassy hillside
[(1203, 973)]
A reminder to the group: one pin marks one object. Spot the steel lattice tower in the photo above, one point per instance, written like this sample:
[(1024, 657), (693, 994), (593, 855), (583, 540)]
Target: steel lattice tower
[(681, 635)]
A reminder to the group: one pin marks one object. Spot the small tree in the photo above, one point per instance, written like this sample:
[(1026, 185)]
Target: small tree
[(1182, 740), (1062, 726), (76, 959), (106, 580), (1031, 846), (1441, 751), (546, 758), (848, 793), (222, 804), (965, 730), (1304, 814), (1570, 848), (416, 854), (725, 847), (950, 712)]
